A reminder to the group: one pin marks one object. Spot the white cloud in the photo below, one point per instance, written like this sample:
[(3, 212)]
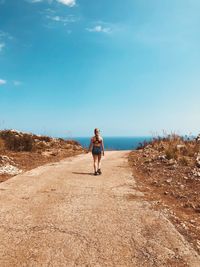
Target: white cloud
[(2, 45), (36, 1), (5, 39), (17, 83), (69, 3), (99, 28), (65, 20), (2, 82)]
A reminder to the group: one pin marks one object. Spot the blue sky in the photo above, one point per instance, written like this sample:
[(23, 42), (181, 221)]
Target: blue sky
[(128, 67)]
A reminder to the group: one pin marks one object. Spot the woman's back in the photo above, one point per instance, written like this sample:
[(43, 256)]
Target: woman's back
[(97, 140)]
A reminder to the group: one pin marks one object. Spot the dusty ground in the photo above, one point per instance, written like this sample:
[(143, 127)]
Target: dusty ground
[(29, 160), (172, 188), (21, 151), (62, 215)]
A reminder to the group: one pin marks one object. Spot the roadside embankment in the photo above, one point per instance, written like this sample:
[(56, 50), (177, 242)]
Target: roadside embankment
[(20, 151), (168, 170)]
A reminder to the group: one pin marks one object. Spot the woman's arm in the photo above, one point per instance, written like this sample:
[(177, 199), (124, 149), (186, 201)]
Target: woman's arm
[(90, 146), (102, 146)]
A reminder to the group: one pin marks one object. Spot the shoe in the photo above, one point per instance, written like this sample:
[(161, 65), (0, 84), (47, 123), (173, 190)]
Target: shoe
[(99, 171), (96, 173)]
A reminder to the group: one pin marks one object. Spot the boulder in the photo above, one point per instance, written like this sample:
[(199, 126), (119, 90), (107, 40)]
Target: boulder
[(198, 161), (181, 147), (198, 138)]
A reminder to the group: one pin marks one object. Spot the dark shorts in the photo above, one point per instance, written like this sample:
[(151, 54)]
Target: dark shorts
[(96, 150)]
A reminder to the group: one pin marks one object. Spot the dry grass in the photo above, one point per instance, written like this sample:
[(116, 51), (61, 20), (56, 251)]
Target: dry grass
[(19, 142), (167, 170), (173, 146), (2, 145), (29, 150)]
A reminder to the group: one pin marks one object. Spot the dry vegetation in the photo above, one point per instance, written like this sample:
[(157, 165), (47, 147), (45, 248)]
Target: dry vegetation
[(168, 171), (23, 151)]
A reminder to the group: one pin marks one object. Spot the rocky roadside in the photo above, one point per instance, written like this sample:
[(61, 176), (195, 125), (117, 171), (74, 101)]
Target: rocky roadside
[(168, 172), (20, 152)]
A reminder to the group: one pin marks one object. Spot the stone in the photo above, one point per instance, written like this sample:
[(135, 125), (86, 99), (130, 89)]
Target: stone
[(172, 162), (9, 169), (169, 180), (198, 161), (180, 147)]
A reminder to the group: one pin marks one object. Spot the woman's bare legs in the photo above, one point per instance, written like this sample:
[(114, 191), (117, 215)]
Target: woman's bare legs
[(99, 161), (95, 158)]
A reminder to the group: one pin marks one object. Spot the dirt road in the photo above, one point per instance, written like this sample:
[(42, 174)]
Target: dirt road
[(61, 215)]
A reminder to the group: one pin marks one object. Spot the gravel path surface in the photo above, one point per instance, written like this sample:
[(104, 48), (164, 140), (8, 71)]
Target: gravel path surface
[(61, 214)]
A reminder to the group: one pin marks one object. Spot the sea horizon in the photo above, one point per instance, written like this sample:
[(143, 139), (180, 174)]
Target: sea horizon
[(114, 142)]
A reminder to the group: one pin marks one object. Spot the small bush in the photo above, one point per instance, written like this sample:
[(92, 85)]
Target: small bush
[(182, 149), (72, 142), (2, 144), (171, 153), (17, 142), (184, 161), (20, 143)]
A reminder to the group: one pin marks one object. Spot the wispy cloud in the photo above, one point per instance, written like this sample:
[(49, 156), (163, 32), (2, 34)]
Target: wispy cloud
[(5, 38), (99, 28), (65, 20), (36, 1), (17, 83), (5, 35), (2, 82), (2, 45), (69, 3)]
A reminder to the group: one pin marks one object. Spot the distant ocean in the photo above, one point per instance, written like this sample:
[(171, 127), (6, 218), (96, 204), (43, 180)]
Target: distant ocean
[(115, 143)]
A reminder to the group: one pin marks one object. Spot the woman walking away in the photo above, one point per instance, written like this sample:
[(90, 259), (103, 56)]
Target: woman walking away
[(97, 148)]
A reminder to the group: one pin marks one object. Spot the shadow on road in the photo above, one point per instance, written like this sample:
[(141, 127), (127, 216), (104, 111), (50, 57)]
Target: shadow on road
[(83, 173)]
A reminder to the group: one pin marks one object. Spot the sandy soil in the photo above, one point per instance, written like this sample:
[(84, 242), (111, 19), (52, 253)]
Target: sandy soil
[(170, 188), (61, 215)]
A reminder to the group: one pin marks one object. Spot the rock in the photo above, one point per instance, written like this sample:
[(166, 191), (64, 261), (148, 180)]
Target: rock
[(180, 147), (9, 169), (198, 244), (196, 172), (172, 162), (198, 138), (182, 186), (198, 161), (6, 160), (169, 180), (184, 225), (50, 153), (162, 157)]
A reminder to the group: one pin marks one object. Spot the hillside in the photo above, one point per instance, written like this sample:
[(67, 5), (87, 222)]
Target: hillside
[(168, 170), (24, 151)]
